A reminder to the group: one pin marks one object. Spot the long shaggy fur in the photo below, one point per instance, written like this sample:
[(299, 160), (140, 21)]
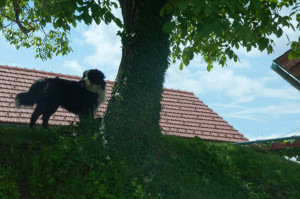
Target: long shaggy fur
[(82, 98)]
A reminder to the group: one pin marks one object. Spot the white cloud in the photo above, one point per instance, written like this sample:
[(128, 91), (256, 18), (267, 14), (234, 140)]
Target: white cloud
[(223, 80), (262, 114), (182, 79), (74, 66), (253, 53), (227, 82), (242, 64), (238, 87), (251, 117), (287, 93), (106, 43), (273, 136), (274, 110)]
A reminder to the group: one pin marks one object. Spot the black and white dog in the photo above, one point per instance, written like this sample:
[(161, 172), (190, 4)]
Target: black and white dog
[(82, 98)]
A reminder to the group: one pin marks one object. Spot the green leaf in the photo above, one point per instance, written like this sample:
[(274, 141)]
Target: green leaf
[(169, 26), (294, 44), (87, 19), (97, 20), (182, 5), (2, 3), (235, 58), (263, 43), (279, 33), (298, 17), (118, 22), (209, 67), (207, 11), (108, 17), (248, 47), (199, 7), (230, 54), (237, 46), (197, 10), (181, 66), (114, 4), (166, 9), (218, 30), (206, 30), (257, 4), (185, 60)]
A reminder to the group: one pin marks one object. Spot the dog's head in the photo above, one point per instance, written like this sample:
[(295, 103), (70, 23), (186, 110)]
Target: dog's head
[(93, 80)]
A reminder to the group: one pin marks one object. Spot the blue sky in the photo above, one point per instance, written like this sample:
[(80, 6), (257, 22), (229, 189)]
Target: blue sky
[(248, 94)]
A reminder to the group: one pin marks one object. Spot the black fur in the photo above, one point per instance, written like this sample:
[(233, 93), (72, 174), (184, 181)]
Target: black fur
[(82, 97)]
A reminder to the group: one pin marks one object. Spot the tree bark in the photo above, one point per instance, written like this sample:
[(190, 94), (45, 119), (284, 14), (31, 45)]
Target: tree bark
[(132, 118)]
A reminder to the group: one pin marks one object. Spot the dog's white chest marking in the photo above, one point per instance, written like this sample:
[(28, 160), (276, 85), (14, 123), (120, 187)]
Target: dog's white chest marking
[(101, 94)]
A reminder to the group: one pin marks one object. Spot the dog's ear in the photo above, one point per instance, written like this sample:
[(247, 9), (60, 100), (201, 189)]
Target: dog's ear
[(103, 75), (100, 73)]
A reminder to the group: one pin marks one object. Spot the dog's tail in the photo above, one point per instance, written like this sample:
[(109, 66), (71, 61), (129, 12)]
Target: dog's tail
[(29, 98)]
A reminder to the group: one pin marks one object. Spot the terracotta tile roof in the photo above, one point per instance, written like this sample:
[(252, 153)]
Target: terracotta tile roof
[(183, 114), (288, 69), (291, 66)]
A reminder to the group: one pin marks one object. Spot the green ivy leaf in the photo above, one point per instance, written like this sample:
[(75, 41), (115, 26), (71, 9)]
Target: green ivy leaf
[(167, 9), (182, 5), (199, 7), (169, 26)]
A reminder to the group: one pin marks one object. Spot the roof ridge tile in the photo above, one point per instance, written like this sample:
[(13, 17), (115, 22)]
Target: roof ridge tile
[(38, 71)]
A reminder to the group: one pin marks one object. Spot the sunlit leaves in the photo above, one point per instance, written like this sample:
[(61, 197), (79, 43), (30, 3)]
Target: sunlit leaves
[(44, 24), (214, 29), (54, 43), (93, 11), (295, 45), (207, 28), (181, 66)]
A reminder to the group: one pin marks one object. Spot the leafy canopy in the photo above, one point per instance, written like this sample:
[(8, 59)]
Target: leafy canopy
[(45, 24), (213, 29)]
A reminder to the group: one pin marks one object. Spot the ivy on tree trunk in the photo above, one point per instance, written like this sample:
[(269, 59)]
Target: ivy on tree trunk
[(132, 118)]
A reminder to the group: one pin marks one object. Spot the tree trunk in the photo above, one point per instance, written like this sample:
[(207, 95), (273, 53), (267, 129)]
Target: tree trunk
[(132, 118)]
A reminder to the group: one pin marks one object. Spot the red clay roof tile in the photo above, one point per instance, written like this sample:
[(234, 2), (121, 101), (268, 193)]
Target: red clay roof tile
[(183, 114)]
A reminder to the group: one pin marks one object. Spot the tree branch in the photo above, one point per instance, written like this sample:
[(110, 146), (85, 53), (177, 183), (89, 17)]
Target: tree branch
[(8, 24), (17, 20)]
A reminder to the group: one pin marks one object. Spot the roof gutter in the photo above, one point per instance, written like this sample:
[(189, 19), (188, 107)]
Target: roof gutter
[(286, 75), (267, 140)]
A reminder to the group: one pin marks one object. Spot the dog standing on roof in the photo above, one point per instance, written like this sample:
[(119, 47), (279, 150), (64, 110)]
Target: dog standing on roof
[(81, 98)]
